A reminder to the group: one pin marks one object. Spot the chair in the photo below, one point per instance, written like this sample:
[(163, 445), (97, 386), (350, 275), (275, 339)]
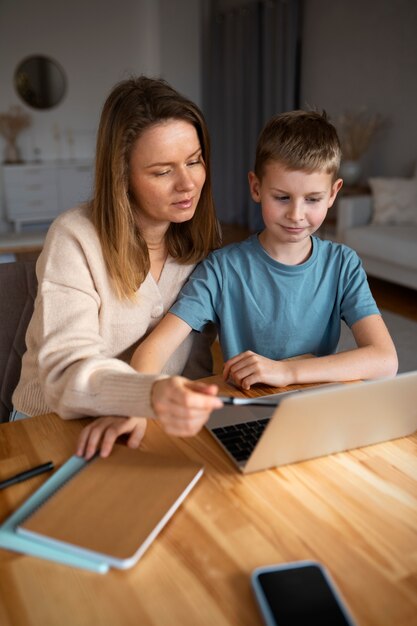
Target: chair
[(18, 287)]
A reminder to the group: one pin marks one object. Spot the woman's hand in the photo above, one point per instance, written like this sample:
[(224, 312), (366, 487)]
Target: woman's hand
[(103, 432), (183, 406), (248, 368)]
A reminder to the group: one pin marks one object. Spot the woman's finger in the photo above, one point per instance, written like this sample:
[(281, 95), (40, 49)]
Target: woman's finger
[(91, 436), (108, 440), (88, 439), (82, 440), (93, 441), (137, 434)]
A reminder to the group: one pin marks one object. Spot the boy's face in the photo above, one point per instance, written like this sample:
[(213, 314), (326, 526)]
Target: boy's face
[(294, 202)]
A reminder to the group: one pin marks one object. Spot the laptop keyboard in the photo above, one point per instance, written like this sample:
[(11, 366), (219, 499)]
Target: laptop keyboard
[(240, 439)]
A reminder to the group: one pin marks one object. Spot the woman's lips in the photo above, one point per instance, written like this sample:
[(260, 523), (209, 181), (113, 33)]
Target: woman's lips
[(184, 204)]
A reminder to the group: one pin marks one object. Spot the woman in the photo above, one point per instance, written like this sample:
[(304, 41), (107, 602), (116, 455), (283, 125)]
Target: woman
[(110, 269)]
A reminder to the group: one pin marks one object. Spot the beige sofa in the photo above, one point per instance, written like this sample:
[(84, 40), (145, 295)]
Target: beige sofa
[(388, 251)]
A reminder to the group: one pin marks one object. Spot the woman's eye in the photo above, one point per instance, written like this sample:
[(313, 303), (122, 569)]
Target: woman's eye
[(164, 173), (195, 162)]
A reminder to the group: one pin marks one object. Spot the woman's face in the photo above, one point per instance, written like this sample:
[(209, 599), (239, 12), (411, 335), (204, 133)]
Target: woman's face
[(167, 174)]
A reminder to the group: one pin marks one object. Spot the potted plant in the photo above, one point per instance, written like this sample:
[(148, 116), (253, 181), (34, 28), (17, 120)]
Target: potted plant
[(356, 131), (11, 124)]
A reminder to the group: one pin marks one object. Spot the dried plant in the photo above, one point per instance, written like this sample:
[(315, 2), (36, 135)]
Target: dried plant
[(13, 122), (356, 131)]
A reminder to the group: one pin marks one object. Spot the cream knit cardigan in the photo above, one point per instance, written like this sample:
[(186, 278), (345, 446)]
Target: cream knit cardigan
[(81, 335)]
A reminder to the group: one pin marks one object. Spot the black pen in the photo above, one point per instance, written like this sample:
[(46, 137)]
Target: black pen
[(18, 478)]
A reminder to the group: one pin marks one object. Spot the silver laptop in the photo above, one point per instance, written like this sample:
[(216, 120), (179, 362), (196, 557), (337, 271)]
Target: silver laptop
[(315, 422)]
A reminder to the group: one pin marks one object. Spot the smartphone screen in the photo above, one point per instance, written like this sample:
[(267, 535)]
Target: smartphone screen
[(297, 594)]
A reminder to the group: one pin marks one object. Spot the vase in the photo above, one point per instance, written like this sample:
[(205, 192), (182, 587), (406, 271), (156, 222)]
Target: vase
[(12, 152), (351, 172)]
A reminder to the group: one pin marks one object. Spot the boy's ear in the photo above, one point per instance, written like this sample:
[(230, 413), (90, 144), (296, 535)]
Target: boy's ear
[(336, 187), (254, 185)]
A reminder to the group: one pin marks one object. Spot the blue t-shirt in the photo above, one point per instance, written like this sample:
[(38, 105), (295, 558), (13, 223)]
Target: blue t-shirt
[(276, 310)]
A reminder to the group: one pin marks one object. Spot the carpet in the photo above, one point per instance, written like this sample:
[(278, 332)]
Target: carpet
[(404, 334)]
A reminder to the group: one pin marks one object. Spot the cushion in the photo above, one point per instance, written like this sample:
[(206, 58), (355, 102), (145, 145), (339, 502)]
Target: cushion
[(18, 287), (394, 200), (391, 243)]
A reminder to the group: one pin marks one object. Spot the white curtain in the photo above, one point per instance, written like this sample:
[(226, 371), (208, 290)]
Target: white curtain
[(252, 73)]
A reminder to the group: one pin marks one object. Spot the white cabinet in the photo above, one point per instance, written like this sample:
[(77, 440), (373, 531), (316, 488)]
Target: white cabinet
[(39, 192)]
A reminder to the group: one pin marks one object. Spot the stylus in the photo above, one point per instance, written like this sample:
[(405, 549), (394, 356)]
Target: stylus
[(251, 401), (263, 400), (18, 478)]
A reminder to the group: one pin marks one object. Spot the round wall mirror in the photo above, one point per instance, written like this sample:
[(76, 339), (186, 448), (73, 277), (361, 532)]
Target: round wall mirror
[(40, 82)]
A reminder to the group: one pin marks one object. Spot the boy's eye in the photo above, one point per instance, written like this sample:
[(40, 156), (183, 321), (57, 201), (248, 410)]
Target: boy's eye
[(281, 198), (312, 200)]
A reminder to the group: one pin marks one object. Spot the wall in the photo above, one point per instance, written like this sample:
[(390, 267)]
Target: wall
[(363, 53), (355, 53), (98, 43), (180, 45)]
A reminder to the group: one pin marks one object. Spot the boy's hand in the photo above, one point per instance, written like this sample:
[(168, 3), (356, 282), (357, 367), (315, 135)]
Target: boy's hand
[(103, 432), (248, 368), (183, 406)]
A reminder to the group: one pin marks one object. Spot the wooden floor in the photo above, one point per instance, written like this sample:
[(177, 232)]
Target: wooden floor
[(390, 296), (394, 298)]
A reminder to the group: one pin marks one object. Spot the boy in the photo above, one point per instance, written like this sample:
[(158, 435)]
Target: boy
[(283, 292)]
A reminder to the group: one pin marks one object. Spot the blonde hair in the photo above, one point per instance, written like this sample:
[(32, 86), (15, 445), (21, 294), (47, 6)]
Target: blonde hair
[(133, 106), (300, 140)]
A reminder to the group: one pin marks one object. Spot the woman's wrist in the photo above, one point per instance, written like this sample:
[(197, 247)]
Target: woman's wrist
[(156, 391)]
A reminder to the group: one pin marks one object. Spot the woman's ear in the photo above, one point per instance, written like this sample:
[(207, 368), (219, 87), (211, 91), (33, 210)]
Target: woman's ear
[(254, 186)]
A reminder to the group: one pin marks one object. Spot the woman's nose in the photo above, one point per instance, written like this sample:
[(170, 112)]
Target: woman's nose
[(184, 180)]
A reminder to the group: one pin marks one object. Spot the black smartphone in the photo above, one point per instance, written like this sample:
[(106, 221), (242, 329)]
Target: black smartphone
[(299, 594)]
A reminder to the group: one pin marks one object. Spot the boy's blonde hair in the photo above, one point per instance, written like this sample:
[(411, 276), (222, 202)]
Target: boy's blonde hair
[(300, 140), (133, 106)]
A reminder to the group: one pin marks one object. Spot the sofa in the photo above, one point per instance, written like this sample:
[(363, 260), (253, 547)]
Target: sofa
[(388, 250)]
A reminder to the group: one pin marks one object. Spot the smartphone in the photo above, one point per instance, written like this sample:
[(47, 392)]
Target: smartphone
[(299, 594)]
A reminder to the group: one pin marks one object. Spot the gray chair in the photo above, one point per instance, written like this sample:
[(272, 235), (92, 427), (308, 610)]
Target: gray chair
[(18, 287)]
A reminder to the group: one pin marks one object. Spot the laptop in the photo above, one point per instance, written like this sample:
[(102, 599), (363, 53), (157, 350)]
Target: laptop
[(315, 421)]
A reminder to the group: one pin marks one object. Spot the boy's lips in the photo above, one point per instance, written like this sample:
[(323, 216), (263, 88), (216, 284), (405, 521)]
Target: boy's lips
[(294, 229)]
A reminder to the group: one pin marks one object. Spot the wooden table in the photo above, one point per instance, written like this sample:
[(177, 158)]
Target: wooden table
[(355, 512)]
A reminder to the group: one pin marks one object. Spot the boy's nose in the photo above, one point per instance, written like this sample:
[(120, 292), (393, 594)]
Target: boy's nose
[(295, 211)]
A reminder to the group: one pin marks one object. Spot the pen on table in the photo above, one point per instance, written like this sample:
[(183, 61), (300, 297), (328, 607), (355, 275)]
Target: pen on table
[(30, 473), (251, 401)]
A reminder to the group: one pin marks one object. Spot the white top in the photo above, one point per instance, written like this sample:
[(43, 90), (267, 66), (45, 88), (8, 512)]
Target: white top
[(81, 336)]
